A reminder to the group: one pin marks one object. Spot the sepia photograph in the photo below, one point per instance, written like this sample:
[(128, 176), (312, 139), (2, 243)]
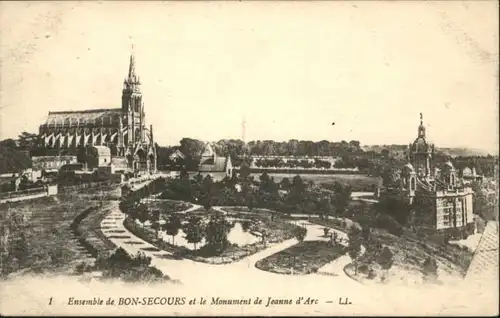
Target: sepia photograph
[(249, 158)]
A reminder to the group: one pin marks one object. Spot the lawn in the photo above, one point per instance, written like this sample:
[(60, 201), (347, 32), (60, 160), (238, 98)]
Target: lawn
[(305, 258), (39, 234)]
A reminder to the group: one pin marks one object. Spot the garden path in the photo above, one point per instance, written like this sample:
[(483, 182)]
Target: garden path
[(203, 275)]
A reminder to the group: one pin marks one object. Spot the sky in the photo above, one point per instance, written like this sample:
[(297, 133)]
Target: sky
[(289, 68)]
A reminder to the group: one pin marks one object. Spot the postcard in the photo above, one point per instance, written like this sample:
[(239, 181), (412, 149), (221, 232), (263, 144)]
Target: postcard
[(249, 158)]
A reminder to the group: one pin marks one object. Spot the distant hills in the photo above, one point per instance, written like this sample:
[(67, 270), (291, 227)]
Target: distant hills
[(449, 151)]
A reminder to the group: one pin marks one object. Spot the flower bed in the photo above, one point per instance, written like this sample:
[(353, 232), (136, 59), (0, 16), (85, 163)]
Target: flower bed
[(305, 258)]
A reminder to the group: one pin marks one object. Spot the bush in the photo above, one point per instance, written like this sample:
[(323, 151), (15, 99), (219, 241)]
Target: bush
[(371, 274), (390, 224), (130, 268), (363, 269)]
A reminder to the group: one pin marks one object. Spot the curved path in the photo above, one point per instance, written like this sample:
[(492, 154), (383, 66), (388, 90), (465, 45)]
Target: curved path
[(203, 275)]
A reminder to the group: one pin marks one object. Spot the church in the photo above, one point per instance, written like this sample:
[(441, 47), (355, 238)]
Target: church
[(442, 200), (123, 130), (218, 167)]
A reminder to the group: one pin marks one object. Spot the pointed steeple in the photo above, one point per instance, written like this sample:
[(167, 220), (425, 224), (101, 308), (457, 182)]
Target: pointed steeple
[(131, 67)]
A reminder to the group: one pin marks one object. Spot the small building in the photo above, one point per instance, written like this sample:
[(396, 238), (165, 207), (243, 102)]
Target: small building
[(217, 167), (50, 163), (98, 156)]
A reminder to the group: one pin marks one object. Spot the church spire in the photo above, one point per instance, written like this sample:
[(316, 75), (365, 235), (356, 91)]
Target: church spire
[(421, 128), (131, 68)]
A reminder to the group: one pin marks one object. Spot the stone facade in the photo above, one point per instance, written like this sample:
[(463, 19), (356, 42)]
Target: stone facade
[(445, 201), (123, 130)]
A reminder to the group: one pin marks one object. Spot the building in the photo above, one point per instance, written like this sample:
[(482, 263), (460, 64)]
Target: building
[(442, 201), (470, 175), (215, 166), (122, 130), (51, 163), (98, 156)]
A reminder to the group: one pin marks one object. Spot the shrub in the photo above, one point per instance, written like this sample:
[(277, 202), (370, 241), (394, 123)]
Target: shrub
[(363, 269)]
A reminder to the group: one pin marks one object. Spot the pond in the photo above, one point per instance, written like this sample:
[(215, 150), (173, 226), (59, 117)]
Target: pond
[(235, 236)]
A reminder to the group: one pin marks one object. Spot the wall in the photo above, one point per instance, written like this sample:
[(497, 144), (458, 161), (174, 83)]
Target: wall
[(119, 163), (51, 162), (29, 194)]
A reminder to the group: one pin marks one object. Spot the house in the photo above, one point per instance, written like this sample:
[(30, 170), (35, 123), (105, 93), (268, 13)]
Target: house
[(218, 167)]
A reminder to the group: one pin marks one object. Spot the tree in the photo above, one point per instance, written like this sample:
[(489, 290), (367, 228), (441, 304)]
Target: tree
[(341, 196), (245, 225), (207, 189), (156, 226), (386, 259), (250, 201), (172, 226), (28, 141), (326, 231), (142, 213), (244, 170), (285, 184), (354, 247), (429, 269), (216, 231), (335, 236), (300, 233), (195, 230)]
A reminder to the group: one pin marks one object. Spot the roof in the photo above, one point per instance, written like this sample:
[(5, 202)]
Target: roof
[(409, 166), (177, 154), (449, 165), (207, 151), (219, 165), (110, 116), (467, 171), (102, 150)]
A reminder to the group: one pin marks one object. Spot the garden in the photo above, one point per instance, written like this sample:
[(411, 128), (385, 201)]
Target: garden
[(303, 258), (213, 238)]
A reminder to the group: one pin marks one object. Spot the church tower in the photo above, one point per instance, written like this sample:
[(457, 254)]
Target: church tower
[(132, 105), (421, 152)]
